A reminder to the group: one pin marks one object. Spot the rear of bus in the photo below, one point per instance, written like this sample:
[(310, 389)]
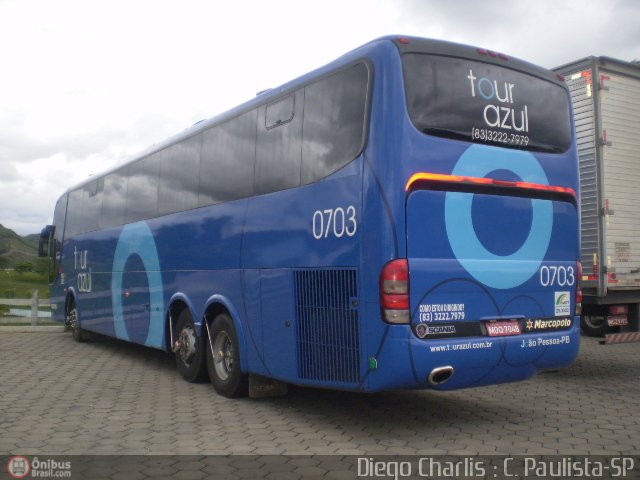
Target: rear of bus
[(487, 284)]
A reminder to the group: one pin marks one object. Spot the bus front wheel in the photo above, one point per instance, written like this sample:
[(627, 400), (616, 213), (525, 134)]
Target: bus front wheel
[(223, 359), (73, 321), (189, 349)]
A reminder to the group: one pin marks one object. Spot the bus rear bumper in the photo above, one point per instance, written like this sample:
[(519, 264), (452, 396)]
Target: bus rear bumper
[(453, 363)]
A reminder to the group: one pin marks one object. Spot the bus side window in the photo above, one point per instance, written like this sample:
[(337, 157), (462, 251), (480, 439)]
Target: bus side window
[(280, 112), (84, 208), (142, 188), (228, 159), (114, 199), (279, 144), (334, 122), (179, 171)]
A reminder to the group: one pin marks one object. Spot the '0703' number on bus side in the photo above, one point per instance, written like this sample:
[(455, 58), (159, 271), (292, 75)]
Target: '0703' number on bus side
[(335, 221)]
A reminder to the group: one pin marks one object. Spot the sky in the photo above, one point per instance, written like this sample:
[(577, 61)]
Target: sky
[(86, 85)]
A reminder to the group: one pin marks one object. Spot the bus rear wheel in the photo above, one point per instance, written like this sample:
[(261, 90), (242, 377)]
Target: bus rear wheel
[(223, 359), (189, 349)]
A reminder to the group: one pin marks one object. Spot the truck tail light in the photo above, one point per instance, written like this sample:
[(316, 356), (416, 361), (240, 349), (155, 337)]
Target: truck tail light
[(618, 309), (394, 291)]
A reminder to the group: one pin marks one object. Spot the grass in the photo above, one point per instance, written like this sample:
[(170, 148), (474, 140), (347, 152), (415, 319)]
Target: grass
[(20, 285)]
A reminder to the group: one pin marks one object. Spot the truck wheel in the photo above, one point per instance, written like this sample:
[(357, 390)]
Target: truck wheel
[(594, 325), (223, 359)]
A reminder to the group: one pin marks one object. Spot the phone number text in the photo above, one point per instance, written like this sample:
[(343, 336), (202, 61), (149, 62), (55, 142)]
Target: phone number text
[(486, 135)]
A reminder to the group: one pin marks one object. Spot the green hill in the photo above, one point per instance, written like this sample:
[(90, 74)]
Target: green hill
[(32, 240), (31, 271), (15, 249)]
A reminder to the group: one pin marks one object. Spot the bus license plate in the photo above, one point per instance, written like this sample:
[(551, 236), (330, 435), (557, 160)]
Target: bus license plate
[(503, 329)]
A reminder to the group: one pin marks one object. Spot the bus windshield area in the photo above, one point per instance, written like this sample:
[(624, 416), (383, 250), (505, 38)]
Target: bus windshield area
[(485, 103)]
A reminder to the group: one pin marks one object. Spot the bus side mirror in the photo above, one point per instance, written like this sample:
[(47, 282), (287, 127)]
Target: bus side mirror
[(45, 240)]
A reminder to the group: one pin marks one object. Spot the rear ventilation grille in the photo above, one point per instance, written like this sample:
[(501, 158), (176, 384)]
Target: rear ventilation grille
[(328, 331)]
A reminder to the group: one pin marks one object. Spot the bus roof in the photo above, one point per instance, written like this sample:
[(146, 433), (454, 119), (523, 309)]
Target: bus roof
[(405, 44)]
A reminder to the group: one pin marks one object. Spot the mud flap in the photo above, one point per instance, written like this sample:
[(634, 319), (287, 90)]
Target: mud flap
[(263, 387)]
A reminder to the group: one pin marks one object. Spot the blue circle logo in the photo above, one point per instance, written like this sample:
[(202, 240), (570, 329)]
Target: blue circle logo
[(497, 271), (137, 239)]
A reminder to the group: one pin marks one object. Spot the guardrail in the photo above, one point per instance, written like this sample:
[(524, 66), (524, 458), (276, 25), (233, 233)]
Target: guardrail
[(34, 302)]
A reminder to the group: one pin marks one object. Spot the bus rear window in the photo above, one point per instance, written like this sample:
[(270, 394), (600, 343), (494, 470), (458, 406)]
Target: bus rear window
[(484, 103)]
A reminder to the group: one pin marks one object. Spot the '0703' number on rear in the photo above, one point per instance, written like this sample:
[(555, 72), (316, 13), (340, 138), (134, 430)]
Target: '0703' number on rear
[(553, 275)]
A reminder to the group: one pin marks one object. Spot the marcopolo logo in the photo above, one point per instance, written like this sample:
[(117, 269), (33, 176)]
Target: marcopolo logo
[(549, 324), (562, 303)]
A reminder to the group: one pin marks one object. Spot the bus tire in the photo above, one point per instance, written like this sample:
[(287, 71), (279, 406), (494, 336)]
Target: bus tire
[(594, 325), (224, 371), (189, 353), (73, 321)]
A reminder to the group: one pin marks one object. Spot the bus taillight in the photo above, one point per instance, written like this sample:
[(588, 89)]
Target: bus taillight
[(579, 289), (394, 291)]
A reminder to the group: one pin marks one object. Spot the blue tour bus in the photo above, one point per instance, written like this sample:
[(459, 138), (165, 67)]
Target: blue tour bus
[(403, 217)]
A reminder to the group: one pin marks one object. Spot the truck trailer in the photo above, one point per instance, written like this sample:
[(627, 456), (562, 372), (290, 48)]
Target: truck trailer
[(605, 93)]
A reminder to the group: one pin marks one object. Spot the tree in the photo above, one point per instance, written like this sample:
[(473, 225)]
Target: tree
[(41, 265), (24, 267)]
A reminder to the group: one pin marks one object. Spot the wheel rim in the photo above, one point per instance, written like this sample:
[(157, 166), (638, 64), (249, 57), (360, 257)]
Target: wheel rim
[(187, 345), (72, 318), (223, 356)]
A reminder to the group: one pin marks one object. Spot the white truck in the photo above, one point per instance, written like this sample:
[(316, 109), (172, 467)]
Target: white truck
[(606, 107)]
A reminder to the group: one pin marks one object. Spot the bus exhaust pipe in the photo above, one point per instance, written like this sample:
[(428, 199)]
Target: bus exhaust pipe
[(440, 375)]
